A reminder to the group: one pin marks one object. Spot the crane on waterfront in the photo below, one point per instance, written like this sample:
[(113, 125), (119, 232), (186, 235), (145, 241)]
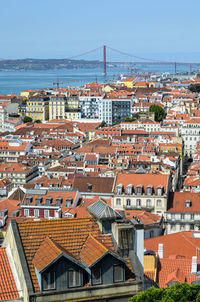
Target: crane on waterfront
[(58, 83)]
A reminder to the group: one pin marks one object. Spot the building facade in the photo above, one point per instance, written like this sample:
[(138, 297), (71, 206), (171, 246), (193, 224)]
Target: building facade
[(114, 110), (37, 108)]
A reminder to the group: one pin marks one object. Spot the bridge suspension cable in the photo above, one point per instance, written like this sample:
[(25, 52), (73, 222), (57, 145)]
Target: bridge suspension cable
[(86, 53), (136, 57)]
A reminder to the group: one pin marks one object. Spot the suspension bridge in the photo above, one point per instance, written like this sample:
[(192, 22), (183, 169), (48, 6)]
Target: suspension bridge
[(137, 60)]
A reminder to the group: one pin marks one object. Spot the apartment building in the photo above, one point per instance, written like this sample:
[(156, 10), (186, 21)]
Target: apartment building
[(114, 111), (49, 204), (147, 192), (184, 214), (37, 108), (78, 259), (57, 106), (2, 118), (89, 104), (12, 149), (17, 173), (142, 124), (190, 133)]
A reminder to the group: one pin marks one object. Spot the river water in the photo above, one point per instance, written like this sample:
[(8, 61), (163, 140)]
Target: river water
[(16, 81)]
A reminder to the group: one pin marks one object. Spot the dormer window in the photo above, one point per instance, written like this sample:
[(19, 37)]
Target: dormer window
[(139, 190), (149, 190), (89, 187), (160, 190), (129, 189), (118, 273), (48, 281), (188, 203), (119, 189)]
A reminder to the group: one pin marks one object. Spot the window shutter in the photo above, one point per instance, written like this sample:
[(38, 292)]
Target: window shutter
[(96, 275), (45, 281), (70, 278), (118, 273)]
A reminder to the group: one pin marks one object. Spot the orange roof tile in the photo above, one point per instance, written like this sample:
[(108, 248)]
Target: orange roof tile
[(8, 289), (92, 250), (71, 234)]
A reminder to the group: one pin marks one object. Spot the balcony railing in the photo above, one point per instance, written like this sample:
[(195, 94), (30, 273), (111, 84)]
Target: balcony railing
[(135, 207)]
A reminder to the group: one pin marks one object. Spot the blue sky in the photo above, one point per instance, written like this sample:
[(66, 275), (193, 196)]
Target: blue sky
[(166, 30)]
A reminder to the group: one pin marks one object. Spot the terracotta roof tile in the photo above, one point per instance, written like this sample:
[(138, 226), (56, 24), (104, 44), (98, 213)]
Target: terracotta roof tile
[(92, 250), (8, 290), (71, 234)]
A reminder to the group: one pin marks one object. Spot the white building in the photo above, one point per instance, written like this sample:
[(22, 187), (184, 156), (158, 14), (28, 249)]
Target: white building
[(190, 133)]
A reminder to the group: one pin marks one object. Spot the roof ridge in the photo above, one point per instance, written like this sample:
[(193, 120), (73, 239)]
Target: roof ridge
[(97, 241)]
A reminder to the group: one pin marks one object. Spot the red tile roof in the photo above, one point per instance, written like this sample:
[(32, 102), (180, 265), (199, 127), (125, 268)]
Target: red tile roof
[(92, 250), (8, 289), (145, 180), (71, 234), (179, 199)]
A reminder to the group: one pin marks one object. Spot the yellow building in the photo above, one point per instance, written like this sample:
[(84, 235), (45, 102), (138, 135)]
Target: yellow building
[(107, 89), (173, 147), (57, 106), (129, 82), (72, 103), (27, 93), (72, 115), (37, 108)]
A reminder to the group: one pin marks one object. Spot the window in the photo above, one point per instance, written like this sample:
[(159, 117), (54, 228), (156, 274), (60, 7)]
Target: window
[(118, 201), (182, 216), (48, 281), (151, 235), (96, 275), (118, 273), (159, 203), (129, 189), (46, 213), (128, 202), (159, 191), (139, 190), (192, 216), (148, 203), (36, 212), (74, 278), (26, 212), (119, 189), (138, 203), (173, 216), (149, 190)]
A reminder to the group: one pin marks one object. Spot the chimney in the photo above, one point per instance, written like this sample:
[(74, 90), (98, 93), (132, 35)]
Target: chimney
[(194, 265), (160, 250)]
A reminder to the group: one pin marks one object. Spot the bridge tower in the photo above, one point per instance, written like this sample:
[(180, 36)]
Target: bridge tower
[(104, 59)]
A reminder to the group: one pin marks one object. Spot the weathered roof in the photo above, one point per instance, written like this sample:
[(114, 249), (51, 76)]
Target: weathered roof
[(18, 194), (70, 234), (102, 210), (8, 289)]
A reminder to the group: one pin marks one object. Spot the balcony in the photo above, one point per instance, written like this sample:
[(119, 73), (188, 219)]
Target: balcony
[(141, 208)]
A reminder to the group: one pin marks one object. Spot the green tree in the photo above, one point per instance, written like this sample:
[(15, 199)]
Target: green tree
[(27, 119), (159, 112), (38, 121), (129, 119), (103, 124), (194, 88), (179, 292), (24, 102)]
